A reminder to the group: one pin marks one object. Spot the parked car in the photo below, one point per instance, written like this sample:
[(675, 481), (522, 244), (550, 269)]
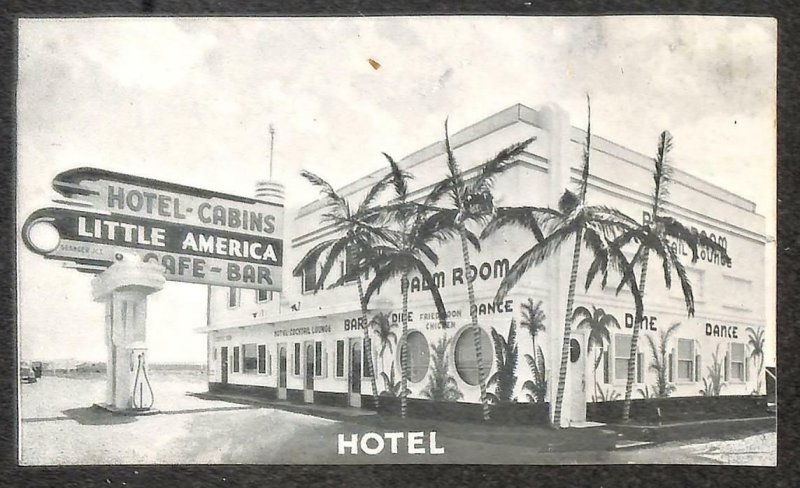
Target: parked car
[(37, 368), (26, 373)]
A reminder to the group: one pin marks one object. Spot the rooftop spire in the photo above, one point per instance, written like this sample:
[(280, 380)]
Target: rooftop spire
[(271, 147)]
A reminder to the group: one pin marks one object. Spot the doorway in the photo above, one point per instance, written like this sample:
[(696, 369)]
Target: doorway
[(575, 401), (354, 376), (282, 371), (223, 368), (308, 378)]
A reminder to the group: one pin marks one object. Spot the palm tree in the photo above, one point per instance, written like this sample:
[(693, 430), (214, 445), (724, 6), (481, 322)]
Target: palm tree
[(660, 361), (533, 318), (382, 327), (470, 201), (405, 253), (506, 357), (755, 340), (441, 385), (393, 388), (573, 219), (536, 389), (658, 235), (598, 322), (358, 231)]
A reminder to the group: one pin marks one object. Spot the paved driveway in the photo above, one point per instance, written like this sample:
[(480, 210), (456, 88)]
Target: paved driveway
[(59, 426)]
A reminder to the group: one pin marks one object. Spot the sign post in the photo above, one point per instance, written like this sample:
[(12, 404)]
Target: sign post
[(135, 233), (124, 288)]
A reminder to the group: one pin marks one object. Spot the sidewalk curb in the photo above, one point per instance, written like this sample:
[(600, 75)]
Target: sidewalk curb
[(685, 431)]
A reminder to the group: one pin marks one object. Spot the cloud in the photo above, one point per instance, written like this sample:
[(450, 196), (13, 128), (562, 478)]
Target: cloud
[(190, 100)]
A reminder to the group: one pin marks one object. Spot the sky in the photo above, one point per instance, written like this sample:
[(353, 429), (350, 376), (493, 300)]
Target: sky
[(190, 100)]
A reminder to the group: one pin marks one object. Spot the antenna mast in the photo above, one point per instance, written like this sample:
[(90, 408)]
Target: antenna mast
[(271, 146)]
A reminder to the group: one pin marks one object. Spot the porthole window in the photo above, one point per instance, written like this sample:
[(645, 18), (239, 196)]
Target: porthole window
[(419, 356), (465, 359)]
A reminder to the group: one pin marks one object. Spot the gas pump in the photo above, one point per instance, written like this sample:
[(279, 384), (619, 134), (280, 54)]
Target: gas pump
[(142, 397)]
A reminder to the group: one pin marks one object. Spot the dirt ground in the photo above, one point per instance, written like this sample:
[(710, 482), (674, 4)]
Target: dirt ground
[(60, 426)]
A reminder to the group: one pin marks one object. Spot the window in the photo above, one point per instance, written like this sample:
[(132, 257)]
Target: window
[(297, 358), (269, 363), (235, 359), (686, 360), (310, 276), (419, 356), (737, 362), (214, 357), (318, 358), (738, 292), (262, 359), (263, 296), (696, 279), (622, 351), (350, 266), (250, 356), (466, 362), (340, 359), (233, 297)]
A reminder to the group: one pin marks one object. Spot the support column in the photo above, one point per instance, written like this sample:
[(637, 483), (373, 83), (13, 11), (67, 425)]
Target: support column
[(557, 124), (124, 288)]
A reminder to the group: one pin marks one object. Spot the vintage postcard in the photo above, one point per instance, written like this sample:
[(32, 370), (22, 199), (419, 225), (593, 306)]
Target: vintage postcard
[(358, 240)]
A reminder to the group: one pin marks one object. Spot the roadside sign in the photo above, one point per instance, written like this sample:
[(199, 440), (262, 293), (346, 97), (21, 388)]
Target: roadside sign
[(135, 196), (199, 236)]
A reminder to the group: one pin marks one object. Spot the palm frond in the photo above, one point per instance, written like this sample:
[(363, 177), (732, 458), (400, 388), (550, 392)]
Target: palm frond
[(497, 165), (385, 269), (529, 218), (627, 277), (313, 254), (599, 264), (398, 178), (533, 257), (428, 253), (457, 186), (446, 185), (662, 172), (335, 253), (587, 148), (427, 277), (334, 199), (686, 285), (611, 215), (373, 193)]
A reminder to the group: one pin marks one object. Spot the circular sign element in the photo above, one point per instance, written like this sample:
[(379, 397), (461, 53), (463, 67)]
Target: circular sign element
[(43, 236), (574, 350)]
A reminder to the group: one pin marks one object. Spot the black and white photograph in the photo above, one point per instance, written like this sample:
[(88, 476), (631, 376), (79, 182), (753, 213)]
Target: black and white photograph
[(396, 240)]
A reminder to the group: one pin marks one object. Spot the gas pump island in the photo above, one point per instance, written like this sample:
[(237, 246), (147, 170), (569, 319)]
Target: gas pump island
[(135, 233)]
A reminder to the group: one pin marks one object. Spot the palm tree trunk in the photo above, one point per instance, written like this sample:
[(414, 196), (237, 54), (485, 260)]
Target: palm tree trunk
[(476, 331), (597, 364), (626, 406), (404, 366), (368, 343), (562, 372)]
